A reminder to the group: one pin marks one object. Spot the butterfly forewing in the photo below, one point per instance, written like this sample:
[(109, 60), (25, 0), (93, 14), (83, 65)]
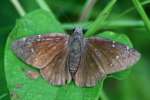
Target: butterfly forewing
[(45, 52), (113, 56)]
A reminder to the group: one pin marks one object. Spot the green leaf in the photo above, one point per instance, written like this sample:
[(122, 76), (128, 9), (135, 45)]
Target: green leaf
[(42, 22), (121, 38), (39, 22)]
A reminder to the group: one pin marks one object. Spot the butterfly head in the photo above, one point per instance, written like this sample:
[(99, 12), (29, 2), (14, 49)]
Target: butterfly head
[(76, 40), (78, 32)]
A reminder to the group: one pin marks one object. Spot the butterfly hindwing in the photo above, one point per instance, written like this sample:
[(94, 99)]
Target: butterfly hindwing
[(89, 71), (113, 56), (44, 52), (57, 72)]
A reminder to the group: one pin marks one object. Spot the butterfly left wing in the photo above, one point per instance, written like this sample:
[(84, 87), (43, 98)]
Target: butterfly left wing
[(39, 50), (46, 52)]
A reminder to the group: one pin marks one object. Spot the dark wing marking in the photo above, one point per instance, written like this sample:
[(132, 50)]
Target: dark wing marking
[(114, 56), (89, 70), (42, 51)]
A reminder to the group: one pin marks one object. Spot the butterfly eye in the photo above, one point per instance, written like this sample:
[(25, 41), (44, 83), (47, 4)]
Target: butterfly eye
[(78, 30), (73, 29), (84, 30)]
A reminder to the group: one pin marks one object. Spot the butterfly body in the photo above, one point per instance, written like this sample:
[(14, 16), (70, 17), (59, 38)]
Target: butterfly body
[(62, 58), (76, 47)]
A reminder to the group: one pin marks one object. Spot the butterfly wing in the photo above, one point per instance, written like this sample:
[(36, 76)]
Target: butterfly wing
[(56, 72), (102, 57), (89, 70), (113, 56), (46, 52)]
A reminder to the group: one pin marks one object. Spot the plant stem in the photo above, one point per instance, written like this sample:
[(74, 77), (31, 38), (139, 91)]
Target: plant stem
[(97, 24), (18, 7), (142, 13), (107, 24), (132, 8), (43, 5), (86, 10)]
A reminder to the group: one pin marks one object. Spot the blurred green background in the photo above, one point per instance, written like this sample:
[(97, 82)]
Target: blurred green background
[(126, 17)]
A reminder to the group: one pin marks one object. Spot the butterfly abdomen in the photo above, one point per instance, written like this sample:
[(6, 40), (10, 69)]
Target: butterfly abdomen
[(73, 62)]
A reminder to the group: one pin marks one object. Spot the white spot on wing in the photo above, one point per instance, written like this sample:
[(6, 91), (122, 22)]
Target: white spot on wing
[(39, 36), (48, 39), (57, 38), (23, 39), (113, 45), (111, 65), (32, 50), (127, 47), (97, 52), (38, 39), (113, 42), (117, 57)]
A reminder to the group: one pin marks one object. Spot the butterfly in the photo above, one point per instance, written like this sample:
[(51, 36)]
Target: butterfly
[(62, 58)]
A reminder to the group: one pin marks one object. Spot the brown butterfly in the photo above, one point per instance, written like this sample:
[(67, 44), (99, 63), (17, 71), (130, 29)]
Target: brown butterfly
[(61, 58)]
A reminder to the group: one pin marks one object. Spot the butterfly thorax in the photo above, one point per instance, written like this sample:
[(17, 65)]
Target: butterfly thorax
[(76, 45)]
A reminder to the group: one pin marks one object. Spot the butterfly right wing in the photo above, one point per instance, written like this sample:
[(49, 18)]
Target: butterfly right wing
[(102, 57), (113, 56), (89, 71)]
